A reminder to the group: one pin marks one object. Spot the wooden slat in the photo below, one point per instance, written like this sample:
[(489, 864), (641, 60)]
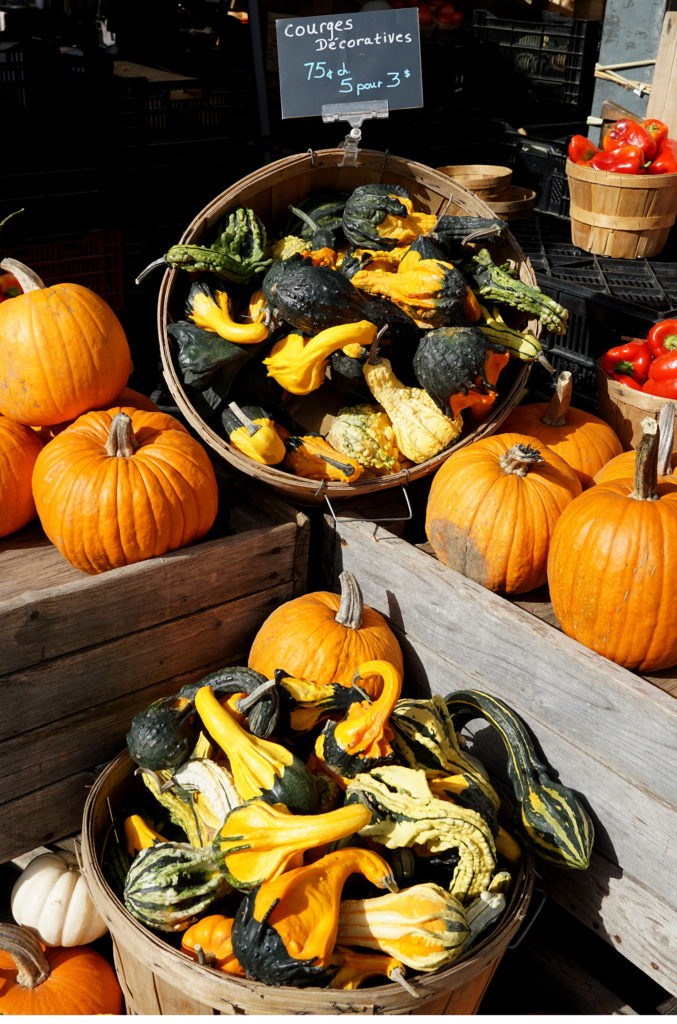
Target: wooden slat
[(68, 685), (662, 102), (40, 619), (44, 815)]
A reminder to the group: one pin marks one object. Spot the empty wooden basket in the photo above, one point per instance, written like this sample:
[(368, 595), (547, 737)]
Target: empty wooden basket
[(626, 216)]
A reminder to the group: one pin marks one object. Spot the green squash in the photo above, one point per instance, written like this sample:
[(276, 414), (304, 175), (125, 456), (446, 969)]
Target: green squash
[(169, 885), (451, 360), (163, 734)]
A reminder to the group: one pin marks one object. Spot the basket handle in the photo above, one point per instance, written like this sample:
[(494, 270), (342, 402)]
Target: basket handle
[(533, 914), (389, 519)]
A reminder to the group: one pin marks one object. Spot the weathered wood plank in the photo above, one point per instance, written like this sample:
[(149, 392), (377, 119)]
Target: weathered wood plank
[(65, 686), (44, 815), (41, 620)]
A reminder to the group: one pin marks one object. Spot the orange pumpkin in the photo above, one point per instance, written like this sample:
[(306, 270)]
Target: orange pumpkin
[(323, 637), (623, 465), (208, 942), (19, 448), (35, 980), (612, 567), (584, 441), (62, 351), (492, 508), (121, 485)]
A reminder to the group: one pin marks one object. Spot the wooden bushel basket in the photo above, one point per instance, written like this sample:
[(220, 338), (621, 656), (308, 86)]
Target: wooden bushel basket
[(269, 191), (626, 216), (158, 979), (624, 409)]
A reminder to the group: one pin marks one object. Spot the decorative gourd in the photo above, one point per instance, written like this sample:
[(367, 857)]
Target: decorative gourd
[(207, 361), (58, 981), (285, 931), (212, 309), (50, 897), (406, 814), (113, 489), (459, 368), (299, 363), (345, 633), (354, 967), (251, 430), (209, 943), (258, 842), (429, 291), (423, 926), (139, 835), (492, 508), (260, 768), (497, 284), (169, 885), (421, 429), (361, 740), (163, 734), (304, 703), (612, 570), (365, 433), (382, 216), (312, 457), (263, 709), (325, 210), (62, 351), (197, 797), (547, 815), (19, 448), (623, 466), (583, 440)]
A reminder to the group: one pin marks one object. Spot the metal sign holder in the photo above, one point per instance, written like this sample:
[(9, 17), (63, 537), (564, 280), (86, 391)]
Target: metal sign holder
[(354, 114)]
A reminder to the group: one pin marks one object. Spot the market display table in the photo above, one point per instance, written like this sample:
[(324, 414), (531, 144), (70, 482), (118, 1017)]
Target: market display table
[(611, 733)]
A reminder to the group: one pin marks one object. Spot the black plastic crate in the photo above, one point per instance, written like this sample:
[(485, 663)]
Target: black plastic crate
[(182, 109), (551, 56)]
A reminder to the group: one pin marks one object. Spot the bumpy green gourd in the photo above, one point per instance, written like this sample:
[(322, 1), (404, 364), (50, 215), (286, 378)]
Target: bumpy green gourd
[(548, 816)]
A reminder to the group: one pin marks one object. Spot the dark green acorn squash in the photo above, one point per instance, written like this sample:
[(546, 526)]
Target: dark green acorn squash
[(164, 733), (325, 208), (452, 360), (367, 208)]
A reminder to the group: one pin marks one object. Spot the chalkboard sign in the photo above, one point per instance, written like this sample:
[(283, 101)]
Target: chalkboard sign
[(349, 58)]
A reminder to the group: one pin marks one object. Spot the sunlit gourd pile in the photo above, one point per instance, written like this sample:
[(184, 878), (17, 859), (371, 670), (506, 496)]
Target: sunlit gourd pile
[(297, 821), (360, 338)]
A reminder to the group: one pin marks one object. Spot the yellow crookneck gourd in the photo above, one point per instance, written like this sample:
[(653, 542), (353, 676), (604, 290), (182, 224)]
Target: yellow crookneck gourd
[(362, 739), (260, 767), (251, 431), (423, 926), (421, 429), (298, 363), (212, 310), (258, 842), (354, 967), (285, 930), (139, 835)]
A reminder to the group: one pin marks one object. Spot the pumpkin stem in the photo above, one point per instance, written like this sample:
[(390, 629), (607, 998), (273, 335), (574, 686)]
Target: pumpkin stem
[(666, 435), (121, 442), (32, 966), (351, 608), (519, 459), (27, 278), (646, 463), (556, 413)]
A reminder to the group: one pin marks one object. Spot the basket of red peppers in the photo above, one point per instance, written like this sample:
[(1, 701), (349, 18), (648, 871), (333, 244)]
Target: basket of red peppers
[(635, 377), (623, 192)]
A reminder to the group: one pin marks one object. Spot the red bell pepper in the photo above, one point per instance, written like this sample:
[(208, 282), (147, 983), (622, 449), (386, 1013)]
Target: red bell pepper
[(630, 133), (663, 368), (625, 160), (665, 161), (662, 338), (661, 388), (656, 128), (581, 150), (630, 360), (628, 381)]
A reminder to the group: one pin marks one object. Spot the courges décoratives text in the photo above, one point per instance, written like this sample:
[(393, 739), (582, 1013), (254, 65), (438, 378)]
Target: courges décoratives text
[(329, 35)]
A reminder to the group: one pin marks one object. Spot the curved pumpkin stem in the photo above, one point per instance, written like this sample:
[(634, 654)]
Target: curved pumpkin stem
[(32, 966), (556, 413), (27, 278), (519, 459), (646, 463), (121, 443), (351, 608), (666, 438)]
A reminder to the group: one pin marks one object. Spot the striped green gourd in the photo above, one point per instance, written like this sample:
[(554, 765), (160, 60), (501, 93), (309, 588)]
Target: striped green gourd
[(169, 885), (548, 816)]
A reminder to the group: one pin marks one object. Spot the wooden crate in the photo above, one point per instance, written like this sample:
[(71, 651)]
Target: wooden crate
[(80, 655), (611, 733)]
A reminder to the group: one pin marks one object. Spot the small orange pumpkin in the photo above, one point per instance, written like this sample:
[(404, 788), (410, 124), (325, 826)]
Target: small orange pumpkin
[(584, 441), (208, 942), (19, 448), (121, 485), (612, 566), (59, 980), (62, 351), (623, 465), (323, 637), (492, 508)]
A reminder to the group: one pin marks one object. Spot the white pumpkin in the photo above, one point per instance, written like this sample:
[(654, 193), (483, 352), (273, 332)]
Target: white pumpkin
[(50, 897)]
